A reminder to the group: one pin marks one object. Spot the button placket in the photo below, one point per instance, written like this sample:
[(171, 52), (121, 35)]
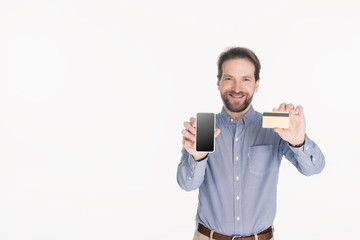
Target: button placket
[(237, 180)]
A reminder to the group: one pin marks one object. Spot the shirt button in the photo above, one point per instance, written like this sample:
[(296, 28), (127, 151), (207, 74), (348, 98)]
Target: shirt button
[(307, 148), (237, 198), (314, 159), (238, 218), (237, 177), (237, 139), (237, 158), (189, 178), (232, 119), (193, 165)]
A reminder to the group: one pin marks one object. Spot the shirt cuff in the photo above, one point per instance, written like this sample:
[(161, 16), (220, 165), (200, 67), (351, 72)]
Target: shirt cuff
[(196, 165), (306, 151), (306, 147)]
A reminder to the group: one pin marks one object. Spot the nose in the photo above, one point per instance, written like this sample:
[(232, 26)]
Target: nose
[(237, 87)]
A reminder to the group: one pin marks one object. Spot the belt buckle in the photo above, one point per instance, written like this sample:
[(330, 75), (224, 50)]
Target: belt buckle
[(233, 238), (255, 235)]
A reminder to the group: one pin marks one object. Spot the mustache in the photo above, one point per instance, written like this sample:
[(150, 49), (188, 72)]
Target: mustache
[(236, 93)]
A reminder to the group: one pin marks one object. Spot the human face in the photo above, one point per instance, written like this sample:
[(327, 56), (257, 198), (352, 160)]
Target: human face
[(237, 84)]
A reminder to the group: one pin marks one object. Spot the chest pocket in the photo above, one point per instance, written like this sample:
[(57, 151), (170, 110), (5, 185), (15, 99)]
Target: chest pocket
[(260, 159)]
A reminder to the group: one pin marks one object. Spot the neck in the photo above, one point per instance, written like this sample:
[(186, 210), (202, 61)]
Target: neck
[(237, 115)]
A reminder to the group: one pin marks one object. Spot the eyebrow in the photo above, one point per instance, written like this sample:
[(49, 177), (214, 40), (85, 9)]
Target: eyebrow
[(227, 75)]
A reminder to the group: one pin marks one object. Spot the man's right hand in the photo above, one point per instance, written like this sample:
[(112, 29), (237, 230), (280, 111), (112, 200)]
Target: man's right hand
[(189, 134)]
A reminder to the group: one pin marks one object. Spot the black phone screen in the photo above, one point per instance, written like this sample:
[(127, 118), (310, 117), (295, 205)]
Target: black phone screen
[(205, 126)]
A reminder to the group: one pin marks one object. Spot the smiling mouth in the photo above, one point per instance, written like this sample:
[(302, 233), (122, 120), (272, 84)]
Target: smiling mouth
[(236, 96)]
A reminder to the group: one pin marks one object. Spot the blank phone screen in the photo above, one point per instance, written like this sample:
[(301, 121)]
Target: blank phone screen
[(205, 123)]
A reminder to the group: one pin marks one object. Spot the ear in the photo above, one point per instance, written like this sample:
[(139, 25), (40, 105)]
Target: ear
[(218, 84), (257, 85)]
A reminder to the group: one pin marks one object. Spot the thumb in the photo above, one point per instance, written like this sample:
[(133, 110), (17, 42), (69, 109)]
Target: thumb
[(217, 132), (278, 130)]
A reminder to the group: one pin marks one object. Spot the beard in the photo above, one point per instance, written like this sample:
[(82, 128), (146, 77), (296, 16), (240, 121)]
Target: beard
[(238, 106)]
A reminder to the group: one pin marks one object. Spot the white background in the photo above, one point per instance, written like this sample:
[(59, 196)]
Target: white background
[(93, 95)]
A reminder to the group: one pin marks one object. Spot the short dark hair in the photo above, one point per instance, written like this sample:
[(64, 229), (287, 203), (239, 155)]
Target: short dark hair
[(239, 52)]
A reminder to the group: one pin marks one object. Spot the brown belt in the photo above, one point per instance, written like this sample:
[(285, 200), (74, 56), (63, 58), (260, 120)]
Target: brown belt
[(267, 234)]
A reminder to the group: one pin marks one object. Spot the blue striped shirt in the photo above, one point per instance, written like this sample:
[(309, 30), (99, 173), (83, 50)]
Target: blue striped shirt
[(237, 182)]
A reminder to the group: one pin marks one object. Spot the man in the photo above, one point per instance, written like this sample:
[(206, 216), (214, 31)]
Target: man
[(237, 182)]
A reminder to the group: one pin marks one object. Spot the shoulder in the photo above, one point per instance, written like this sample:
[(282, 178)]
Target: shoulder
[(258, 116), (257, 120), (219, 120)]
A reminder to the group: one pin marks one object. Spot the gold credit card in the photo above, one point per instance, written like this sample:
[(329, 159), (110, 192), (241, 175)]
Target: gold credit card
[(275, 119)]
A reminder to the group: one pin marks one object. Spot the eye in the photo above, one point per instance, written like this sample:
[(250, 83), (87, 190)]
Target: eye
[(247, 79), (228, 78)]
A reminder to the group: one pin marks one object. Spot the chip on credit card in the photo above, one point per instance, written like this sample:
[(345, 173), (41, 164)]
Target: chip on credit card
[(275, 119)]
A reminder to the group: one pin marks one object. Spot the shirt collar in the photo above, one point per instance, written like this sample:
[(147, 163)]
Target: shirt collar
[(246, 119)]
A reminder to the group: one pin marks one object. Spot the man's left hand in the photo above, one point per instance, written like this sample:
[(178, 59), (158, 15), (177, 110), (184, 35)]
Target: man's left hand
[(295, 134)]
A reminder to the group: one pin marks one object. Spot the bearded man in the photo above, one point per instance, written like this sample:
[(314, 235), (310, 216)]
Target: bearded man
[(238, 182)]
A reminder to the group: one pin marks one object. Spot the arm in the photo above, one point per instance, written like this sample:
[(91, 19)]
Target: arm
[(297, 147), (308, 158), (191, 170), (190, 173)]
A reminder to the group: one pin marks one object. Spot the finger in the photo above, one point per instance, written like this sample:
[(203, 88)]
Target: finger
[(299, 109), (279, 130), (188, 144), (188, 135), (193, 122), (292, 113), (189, 140), (190, 128), (288, 107), (275, 110), (217, 132), (281, 107)]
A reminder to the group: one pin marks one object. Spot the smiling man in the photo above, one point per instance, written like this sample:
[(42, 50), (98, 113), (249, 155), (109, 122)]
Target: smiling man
[(237, 182)]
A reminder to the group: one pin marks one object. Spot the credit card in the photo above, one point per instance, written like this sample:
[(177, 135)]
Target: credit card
[(275, 119)]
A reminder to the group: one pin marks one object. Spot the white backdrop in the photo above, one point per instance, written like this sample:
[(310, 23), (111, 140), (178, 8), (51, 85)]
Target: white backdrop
[(93, 95)]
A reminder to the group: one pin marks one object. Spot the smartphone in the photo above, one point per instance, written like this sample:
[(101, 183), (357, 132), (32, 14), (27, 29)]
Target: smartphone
[(205, 129)]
